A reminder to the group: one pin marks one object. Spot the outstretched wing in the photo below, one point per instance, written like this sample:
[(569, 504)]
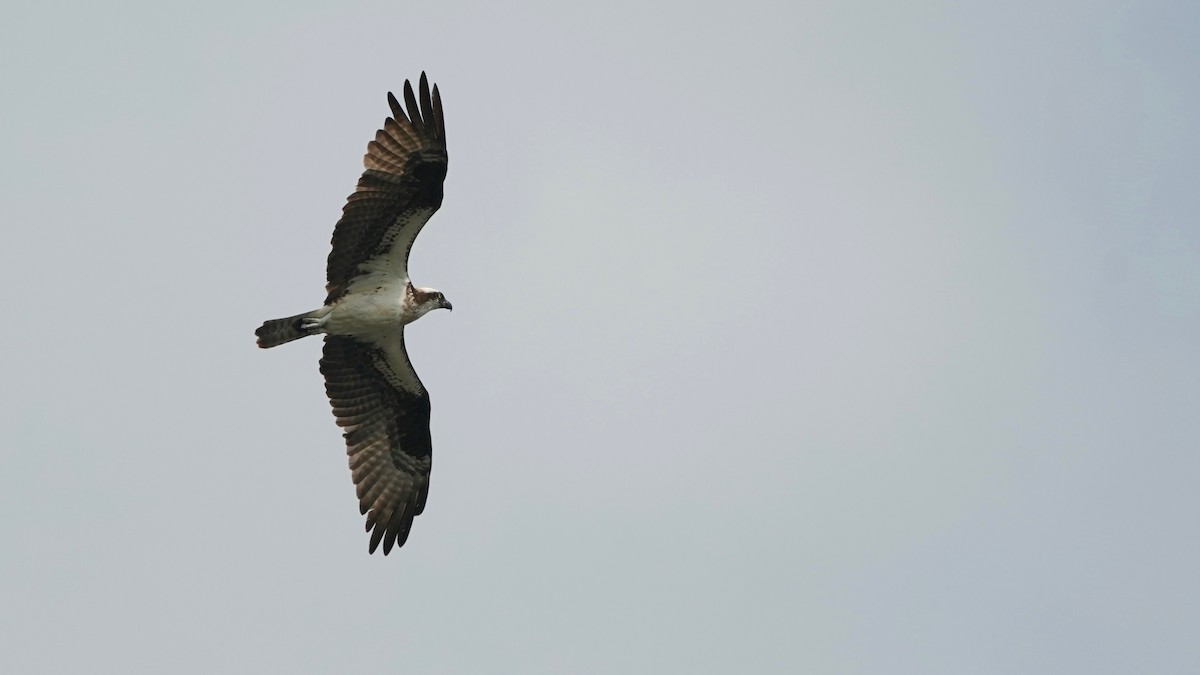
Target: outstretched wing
[(398, 192), (379, 401)]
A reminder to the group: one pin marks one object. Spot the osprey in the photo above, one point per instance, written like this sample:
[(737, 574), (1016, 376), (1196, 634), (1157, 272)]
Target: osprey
[(376, 395)]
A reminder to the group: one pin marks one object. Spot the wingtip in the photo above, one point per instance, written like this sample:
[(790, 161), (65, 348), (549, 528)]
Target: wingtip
[(397, 109)]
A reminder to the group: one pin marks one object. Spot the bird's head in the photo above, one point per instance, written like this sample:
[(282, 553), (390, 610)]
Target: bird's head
[(428, 299)]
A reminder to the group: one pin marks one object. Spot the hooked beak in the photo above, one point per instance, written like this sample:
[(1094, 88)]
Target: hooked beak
[(446, 305)]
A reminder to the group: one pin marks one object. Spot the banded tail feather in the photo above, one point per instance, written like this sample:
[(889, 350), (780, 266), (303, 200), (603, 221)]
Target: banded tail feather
[(278, 331)]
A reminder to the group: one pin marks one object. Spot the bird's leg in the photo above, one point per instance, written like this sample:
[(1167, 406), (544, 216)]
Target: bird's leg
[(311, 324)]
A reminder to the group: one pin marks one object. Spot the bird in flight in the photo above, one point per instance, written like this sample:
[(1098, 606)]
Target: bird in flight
[(377, 398)]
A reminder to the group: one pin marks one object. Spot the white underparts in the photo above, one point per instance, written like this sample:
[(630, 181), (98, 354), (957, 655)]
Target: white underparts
[(372, 306)]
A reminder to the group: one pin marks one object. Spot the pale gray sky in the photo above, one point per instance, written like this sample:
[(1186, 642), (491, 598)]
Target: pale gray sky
[(844, 337)]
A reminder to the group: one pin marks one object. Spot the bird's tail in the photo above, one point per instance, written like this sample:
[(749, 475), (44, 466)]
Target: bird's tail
[(278, 331)]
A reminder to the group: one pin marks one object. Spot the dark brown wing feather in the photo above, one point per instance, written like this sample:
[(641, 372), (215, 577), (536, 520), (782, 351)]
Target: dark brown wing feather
[(384, 410), (398, 192)]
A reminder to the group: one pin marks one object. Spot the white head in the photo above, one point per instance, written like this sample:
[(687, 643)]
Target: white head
[(426, 300)]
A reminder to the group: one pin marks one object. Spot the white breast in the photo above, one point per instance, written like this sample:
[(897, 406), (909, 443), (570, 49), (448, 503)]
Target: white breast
[(374, 304)]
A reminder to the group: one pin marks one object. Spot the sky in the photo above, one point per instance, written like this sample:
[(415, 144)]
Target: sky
[(830, 337)]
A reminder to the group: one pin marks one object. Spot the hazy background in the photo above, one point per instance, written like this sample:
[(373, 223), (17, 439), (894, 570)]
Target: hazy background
[(844, 337)]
